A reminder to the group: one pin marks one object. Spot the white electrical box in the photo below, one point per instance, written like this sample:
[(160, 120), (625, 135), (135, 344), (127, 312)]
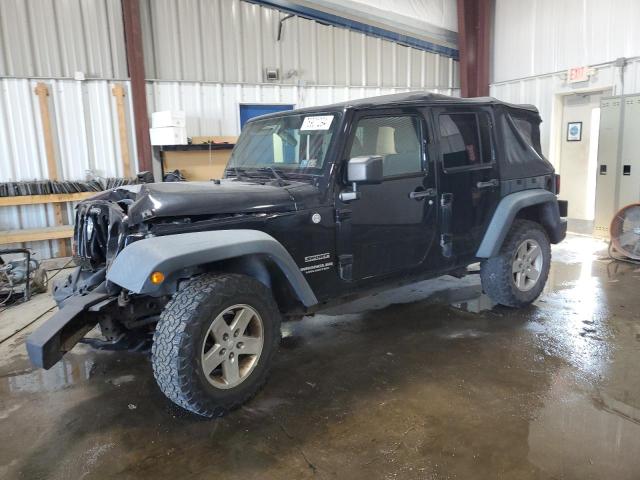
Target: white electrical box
[(168, 118), (168, 136)]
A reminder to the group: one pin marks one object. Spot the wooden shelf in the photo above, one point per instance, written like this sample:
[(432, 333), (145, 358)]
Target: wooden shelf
[(35, 234), (60, 232), (52, 198)]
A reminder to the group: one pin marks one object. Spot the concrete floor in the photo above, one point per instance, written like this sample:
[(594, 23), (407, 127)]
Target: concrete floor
[(399, 385)]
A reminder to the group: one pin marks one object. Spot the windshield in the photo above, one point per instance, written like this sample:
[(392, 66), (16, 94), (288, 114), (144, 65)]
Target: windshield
[(291, 143)]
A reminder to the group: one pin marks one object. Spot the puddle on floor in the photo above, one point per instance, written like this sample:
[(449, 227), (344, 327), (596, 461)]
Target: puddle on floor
[(71, 370)]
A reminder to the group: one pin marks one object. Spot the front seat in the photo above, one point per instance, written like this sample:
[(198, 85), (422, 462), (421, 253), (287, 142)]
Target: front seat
[(407, 157)]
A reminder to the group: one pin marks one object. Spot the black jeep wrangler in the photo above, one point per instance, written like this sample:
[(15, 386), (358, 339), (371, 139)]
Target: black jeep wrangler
[(316, 205)]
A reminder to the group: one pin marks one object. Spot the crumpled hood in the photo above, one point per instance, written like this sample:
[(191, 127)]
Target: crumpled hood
[(179, 199)]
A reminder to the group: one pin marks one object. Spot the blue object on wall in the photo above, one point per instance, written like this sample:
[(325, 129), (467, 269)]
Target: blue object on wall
[(248, 111)]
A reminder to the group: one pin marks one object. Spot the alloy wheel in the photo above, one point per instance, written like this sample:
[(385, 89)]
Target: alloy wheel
[(527, 265), (232, 346)]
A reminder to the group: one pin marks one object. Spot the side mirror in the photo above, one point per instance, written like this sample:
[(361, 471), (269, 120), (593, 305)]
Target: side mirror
[(365, 170), (362, 171)]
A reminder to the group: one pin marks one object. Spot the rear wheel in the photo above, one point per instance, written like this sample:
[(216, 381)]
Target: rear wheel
[(214, 343), (517, 275)]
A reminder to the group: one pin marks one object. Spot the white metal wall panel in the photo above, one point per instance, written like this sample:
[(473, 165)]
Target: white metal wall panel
[(55, 38), (214, 109), (84, 122), (16, 41), (549, 35), (541, 91), (231, 41)]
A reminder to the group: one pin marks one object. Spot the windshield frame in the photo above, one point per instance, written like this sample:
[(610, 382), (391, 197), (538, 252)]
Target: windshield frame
[(329, 157)]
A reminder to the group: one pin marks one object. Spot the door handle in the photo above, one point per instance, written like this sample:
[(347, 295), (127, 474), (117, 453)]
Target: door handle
[(494, 182), (420, 194)]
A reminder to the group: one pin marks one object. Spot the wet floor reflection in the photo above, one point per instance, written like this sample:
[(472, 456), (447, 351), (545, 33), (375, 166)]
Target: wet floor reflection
[(585, 434), (397, 385), (71, 370)]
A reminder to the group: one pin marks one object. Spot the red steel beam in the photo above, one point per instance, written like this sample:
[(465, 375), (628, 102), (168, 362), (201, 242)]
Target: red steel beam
[(474, 38), (135, 62)]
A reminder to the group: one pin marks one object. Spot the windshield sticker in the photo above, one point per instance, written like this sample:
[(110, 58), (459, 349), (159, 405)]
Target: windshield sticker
[(322, 122)]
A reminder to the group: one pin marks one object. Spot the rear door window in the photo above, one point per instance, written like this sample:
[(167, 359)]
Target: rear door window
[(465, 140), (529, 131)]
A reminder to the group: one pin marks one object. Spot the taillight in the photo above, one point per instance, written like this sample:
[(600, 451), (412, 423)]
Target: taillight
[(557, 184)]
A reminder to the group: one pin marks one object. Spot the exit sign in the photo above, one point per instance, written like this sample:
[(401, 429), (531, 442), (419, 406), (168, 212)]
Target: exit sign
[(578, 74)]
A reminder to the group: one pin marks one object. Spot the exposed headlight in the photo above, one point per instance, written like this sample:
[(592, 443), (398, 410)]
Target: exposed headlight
[(89, 227)]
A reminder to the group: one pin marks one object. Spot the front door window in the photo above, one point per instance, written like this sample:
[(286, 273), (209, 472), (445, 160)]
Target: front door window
[(396, 139)]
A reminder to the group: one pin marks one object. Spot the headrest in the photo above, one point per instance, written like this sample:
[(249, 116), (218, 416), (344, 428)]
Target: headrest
[(357, 150), (406, 139)]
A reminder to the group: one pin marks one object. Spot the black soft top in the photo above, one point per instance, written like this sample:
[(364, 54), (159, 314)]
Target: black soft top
[(410, 98)]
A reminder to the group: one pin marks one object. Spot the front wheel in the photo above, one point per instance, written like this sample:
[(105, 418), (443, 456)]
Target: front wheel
[(516, 276), (214, 343)]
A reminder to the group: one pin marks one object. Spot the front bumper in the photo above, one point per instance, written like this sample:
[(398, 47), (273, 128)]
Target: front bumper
[(60, 333)]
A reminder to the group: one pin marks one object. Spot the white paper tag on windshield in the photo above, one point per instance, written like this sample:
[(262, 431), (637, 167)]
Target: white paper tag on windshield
[(321, 122)]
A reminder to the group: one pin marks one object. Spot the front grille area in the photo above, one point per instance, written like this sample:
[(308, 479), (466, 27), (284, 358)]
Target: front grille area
[(97, 234)]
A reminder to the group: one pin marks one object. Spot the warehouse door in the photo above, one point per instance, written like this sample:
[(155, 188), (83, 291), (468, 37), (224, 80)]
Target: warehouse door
[(250, 110), (579, 157)]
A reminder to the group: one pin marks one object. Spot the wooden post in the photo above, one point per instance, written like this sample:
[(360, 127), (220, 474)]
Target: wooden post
[(118, 92), (42, 91)]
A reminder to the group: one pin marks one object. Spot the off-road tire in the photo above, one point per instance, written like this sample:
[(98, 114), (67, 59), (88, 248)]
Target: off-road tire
[(179, 335), (496, 272)]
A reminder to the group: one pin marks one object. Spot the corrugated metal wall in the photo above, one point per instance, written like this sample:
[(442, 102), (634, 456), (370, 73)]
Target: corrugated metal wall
[(231, 41), (55, 39), (550, 35), (85, 128), (84, 123)]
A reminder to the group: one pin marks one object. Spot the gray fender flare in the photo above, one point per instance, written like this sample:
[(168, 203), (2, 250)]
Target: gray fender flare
[(506, 212), (133, 266)]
